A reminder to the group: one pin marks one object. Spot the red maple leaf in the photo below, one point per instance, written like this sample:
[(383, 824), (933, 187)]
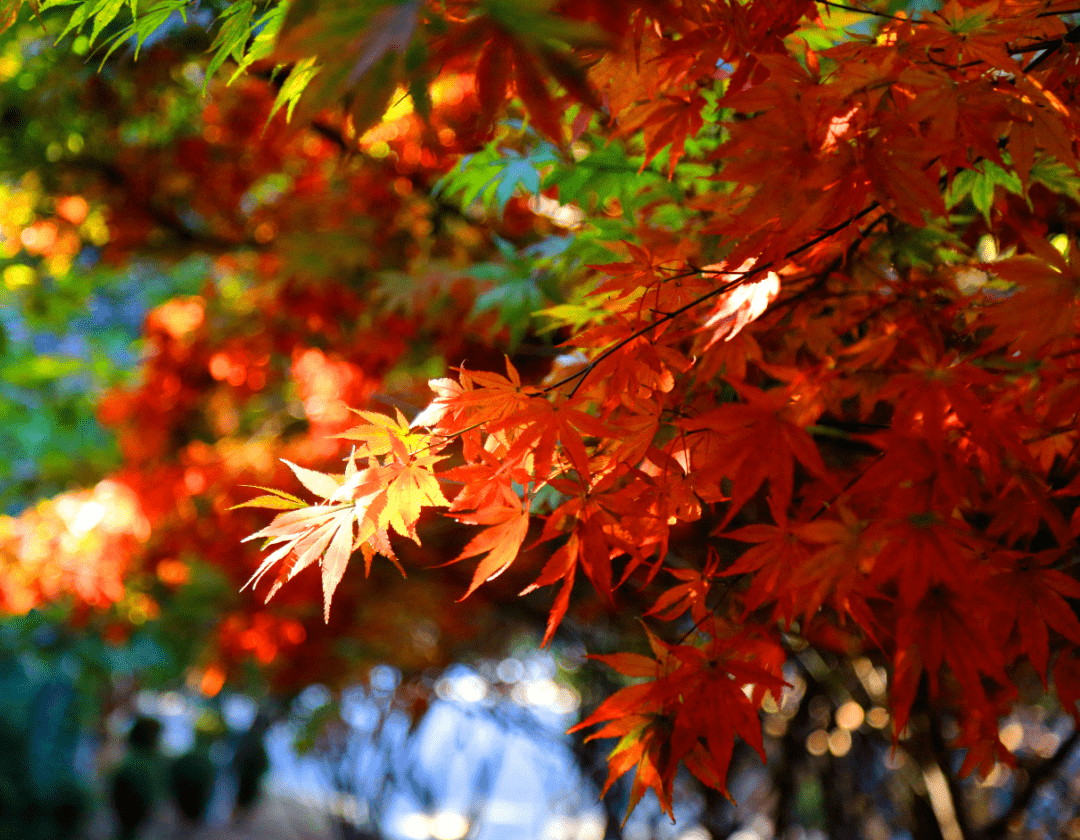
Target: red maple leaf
[(749, 443)]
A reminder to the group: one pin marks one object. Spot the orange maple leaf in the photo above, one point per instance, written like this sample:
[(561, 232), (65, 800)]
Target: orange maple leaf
[(688, 595), (1035, 595), (690, 710), (1045, 304), (669, 122), (539, 426), (501, 541)]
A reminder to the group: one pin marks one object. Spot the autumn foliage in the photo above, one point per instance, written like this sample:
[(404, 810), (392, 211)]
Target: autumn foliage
[(821, 389)]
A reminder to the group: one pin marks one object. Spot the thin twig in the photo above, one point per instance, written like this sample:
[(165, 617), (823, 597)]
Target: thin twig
[(1070, 37), (833, 5), (591, 366)]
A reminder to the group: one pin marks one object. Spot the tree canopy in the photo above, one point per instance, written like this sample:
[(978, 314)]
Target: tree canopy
[(723, 330)]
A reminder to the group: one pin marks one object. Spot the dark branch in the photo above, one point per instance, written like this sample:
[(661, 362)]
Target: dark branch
[(1070, 37), (871, 12)]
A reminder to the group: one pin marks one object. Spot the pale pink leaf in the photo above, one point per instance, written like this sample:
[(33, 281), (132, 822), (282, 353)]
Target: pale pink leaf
[(335, 560), (321, 484)]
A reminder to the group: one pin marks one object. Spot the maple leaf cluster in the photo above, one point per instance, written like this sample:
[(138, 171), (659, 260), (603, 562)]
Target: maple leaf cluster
[(800, 381), (267, 336)]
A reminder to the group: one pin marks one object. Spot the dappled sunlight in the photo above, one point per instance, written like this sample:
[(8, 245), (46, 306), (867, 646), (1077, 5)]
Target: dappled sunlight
[(178, 317), (76, 544), (325, 386)]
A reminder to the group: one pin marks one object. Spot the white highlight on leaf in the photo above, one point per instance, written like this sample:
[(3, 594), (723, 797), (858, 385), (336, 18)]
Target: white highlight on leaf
[(318, 483), (745, 303)]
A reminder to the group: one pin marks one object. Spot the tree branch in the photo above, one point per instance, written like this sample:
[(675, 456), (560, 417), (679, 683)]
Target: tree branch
[(591, 366), (1070, 37), (871, 12)]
